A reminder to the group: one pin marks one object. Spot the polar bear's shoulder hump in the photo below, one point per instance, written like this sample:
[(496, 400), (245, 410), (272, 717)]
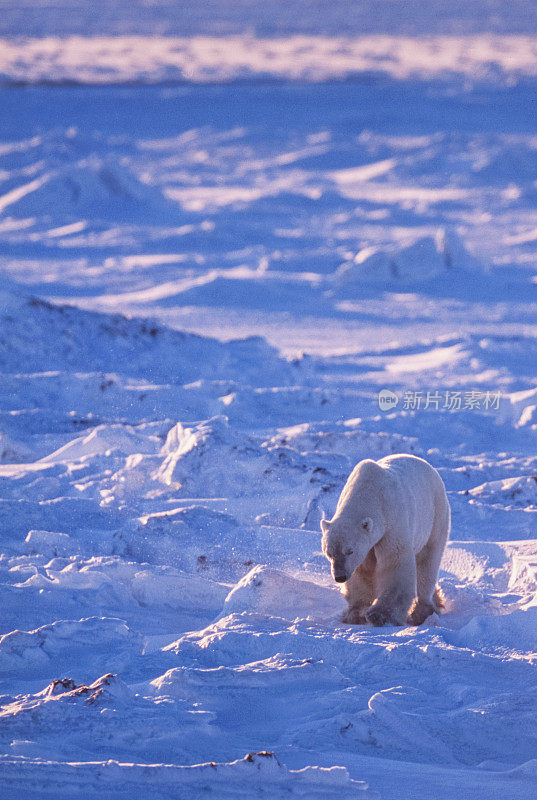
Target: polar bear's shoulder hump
[(368, 470)]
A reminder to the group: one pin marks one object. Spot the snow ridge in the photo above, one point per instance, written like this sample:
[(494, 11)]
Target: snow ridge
[(478, 59)]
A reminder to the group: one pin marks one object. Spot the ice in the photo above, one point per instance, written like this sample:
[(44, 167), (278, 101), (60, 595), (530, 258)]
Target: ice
[(224, 229)]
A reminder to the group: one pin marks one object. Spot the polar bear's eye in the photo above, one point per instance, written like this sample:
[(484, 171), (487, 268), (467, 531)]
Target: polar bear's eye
[(348, 552)]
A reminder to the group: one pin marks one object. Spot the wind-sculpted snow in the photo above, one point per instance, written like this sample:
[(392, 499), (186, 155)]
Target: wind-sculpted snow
[(258, 772), (62, 645), (165, 599), (208, 292), (67, 337), (427, 257)]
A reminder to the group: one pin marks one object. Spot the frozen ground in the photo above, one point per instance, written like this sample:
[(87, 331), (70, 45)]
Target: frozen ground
[(203, 289)]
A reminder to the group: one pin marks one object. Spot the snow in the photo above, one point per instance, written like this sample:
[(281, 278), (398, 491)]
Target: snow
[(260, 771), (224, 229), (480, 58), (426, 258)]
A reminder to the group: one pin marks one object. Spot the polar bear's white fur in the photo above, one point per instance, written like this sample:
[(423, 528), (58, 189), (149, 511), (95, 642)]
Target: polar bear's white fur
[(386, 540)]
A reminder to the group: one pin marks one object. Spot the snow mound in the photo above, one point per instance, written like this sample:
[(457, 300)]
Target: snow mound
[(214, 544), (281, 672), (49, 543), (185, 591), (112, 580), (102, 440), (429, 257), (519, 492), (101, 189), (63, 646), (105, 689), (196, 464), (290, 405), (347, 437), (504, 633), (521, 408), (193, 538), (196, 457), (101, 717), (269, 591), (523, 573), (46, 337), (11, 450), (258, 773)]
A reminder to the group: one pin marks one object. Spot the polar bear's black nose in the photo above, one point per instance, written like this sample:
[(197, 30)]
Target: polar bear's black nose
[(340, 578)]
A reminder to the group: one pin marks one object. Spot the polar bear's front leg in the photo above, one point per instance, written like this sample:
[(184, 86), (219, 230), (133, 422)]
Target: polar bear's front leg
[(396, 587), (360, 591)]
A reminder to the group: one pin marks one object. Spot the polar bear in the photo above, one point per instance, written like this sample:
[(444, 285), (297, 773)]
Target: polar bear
[(386, 539)]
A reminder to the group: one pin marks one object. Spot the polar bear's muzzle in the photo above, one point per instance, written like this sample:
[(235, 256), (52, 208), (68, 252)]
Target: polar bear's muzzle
[(339, 572)]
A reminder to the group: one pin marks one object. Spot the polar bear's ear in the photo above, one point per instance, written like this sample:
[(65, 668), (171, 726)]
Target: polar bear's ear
[(367, 524), (325, 525)]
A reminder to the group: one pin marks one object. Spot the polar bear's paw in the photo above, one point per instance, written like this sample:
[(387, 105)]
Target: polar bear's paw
[(420, 612), (354, 616), (377, 616), (380, 614)]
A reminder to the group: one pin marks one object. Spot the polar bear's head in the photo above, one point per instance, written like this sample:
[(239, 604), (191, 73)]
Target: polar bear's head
[(346, 547)]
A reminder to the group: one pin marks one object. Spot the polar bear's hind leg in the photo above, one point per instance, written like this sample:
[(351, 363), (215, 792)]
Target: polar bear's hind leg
[(439, 599), (430, 598)]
